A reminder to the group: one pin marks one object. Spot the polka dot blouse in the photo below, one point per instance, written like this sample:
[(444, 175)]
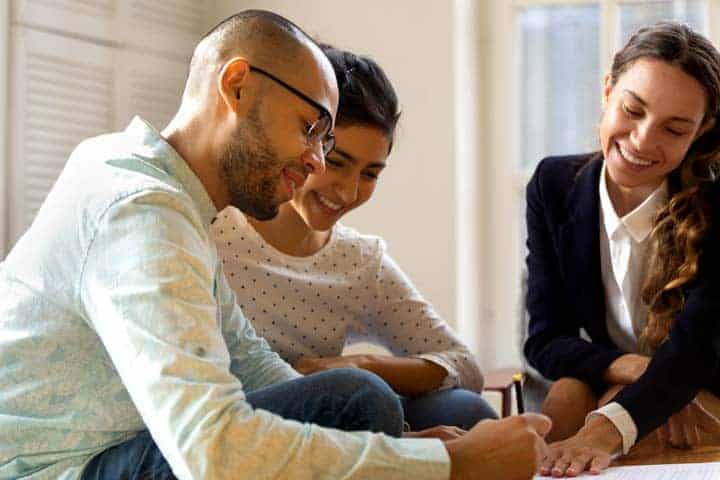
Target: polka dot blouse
[(349, 291)]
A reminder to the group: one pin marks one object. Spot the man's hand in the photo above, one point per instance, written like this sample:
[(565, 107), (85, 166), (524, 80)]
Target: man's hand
[(443, 432), (308, 365), (511, 449), (591, 449), (682, 430), (626, 369)]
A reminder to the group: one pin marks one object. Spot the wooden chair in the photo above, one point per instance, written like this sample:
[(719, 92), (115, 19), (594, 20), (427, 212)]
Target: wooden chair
[(501, 380)]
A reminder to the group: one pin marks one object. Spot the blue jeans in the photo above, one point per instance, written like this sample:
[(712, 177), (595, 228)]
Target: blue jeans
[(346, 399), (456, 407)]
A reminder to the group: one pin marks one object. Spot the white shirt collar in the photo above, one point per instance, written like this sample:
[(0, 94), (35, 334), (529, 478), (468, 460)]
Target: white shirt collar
[(639, 222)]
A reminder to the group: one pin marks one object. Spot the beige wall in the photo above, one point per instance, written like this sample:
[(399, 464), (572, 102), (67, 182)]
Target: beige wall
[(414, 205)]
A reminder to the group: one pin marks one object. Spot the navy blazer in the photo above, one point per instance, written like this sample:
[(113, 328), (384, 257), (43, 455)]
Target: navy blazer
[(565, 295)]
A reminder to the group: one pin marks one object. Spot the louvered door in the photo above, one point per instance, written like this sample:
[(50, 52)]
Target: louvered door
[(61, 93), (85, 67)]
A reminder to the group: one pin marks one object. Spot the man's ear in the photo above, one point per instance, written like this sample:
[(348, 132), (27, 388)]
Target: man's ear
[(232, 80)]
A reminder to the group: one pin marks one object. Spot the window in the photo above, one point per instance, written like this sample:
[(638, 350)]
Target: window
[(82, 68)]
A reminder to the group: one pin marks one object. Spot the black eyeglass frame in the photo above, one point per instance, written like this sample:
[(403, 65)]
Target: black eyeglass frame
[(328, 138)]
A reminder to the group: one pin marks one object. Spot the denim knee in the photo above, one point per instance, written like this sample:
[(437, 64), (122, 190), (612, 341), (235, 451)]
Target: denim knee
[(373, 396), (475, 407), (455, 407)]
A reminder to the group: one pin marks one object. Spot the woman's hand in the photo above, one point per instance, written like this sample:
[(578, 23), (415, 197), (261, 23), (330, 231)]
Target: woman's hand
[(443, 432), (626, 369), (592, 448), (682, 430), (308, 365)]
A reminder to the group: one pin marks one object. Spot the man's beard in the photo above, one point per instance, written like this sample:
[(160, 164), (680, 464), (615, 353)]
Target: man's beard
[(251, 170)]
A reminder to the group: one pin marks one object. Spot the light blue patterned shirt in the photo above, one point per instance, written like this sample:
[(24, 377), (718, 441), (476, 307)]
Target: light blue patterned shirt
[(115, 317)]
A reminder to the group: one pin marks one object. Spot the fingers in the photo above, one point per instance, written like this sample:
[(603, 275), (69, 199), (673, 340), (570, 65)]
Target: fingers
[(578, 465), (599, 463), (663, 434), (705, 420), (546, 465), (573, 456), (558, 469), (540, 423), (691, 435), (573, 463), (541, 452), (677, 434), (458, 431), (442, 432)]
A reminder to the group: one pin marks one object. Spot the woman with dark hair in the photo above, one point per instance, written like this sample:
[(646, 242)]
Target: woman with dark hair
[(311, 285), (623, 247)]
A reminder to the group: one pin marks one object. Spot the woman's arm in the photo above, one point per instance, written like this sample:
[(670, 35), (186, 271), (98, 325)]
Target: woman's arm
[(554, 346), (681, 366), (407, 324), (408, 376)]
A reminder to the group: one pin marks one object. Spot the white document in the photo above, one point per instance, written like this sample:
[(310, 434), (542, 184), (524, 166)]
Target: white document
[(685, 471)]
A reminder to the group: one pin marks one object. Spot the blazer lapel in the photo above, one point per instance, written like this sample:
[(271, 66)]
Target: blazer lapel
[(579, 251)]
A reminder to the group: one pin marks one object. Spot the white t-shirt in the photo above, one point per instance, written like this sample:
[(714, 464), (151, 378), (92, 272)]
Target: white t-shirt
[(347, 292)]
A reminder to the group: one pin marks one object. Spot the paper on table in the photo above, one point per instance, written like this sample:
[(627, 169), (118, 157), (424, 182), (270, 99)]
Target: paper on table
[(685, 471)]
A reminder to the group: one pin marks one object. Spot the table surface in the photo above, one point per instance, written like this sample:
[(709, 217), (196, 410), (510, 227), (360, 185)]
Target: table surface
[(649, 453)]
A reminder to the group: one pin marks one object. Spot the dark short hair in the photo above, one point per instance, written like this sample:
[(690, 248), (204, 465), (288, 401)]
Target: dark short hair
[(366, 95), (266, 37)]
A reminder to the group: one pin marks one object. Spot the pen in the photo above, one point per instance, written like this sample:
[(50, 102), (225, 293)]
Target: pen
[(517, 380)]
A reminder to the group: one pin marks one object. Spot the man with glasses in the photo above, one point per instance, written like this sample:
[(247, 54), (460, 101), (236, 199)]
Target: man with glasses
[(123, 354)]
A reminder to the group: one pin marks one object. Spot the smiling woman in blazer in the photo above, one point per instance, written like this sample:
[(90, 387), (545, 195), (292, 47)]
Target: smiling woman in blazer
[(624, 273)]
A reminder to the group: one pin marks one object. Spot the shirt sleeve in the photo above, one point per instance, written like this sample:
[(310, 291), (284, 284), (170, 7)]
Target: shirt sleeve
[(407, 325), (148, 290), (622, 420)]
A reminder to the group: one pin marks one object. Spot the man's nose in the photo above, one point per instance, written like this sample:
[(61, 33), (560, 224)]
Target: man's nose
[(313, 159)]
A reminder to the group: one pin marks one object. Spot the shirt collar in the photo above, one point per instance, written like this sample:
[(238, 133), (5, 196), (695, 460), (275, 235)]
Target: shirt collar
[(639, 222), (155, 149)]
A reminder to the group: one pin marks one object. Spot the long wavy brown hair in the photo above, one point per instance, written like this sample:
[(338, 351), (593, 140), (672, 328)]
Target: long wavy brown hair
[(681, 225)]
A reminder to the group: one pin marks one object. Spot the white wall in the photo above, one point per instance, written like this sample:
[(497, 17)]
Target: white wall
[(414, 205), (4, 149)]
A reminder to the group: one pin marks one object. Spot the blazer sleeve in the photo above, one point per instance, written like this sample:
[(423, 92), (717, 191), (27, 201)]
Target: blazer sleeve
[(687, 361), (554, 346)]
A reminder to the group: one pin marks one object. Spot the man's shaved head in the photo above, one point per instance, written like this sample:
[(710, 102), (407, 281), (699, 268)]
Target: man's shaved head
[(264, 38), (257, 89)]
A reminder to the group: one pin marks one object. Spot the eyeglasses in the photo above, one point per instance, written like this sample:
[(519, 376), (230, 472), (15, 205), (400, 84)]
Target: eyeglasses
[(318, 131)]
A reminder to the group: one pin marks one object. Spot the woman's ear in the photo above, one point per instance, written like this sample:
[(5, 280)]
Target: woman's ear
[(708, 125), (232, 80), (607, 89)]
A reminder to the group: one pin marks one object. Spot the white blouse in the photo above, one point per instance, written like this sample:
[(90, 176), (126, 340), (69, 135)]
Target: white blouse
[(624, 245), (624, 248), (349, 291)]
